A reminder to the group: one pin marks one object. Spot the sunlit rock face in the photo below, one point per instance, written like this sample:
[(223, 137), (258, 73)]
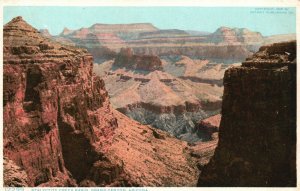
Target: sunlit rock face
[(60, 130)]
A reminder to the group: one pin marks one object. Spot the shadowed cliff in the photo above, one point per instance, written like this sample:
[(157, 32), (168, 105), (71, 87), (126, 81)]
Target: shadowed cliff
[(257, 135)]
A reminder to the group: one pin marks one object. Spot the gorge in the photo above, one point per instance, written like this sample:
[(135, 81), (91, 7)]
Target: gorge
[(60, 129), (147, 115), (167, 78)]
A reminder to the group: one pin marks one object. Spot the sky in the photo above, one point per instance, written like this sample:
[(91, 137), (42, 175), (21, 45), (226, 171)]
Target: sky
[(268, 21)]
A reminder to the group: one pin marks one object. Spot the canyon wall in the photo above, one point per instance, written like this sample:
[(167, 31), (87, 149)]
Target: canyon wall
[(257, 135), (205, 51), (53, 105), (225, 44), (60, 130)]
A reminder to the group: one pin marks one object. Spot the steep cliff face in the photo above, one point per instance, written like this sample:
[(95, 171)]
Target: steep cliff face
[(60, 130), (52, 103), (257, 135), (127, 59)]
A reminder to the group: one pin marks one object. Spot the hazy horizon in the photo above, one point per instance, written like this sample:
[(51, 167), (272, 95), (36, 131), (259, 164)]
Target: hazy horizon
[(267, 21)]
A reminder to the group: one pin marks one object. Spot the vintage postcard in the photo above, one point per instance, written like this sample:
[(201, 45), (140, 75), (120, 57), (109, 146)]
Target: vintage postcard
[(140, 96)]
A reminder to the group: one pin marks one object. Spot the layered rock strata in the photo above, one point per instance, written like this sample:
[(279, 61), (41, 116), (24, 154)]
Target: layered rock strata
[(161, 100), (127, 59), (53, 105), (257, 135), (59, 127)]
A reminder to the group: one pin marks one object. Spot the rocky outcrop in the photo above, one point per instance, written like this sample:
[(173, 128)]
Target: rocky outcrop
[(59, 127), (127, 59), (208, 128), (257, 135), (203, 150)]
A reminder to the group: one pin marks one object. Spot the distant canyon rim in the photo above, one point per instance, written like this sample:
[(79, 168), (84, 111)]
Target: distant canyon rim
[(170, 79)]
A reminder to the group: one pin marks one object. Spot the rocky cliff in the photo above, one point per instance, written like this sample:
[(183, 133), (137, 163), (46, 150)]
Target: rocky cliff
[(257, 135), (60, 130), (53, 105)]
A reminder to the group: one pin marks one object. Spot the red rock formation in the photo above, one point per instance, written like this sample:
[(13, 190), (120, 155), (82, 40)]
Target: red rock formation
[(204, 151), (209, 130), (209, 127), (160, 99), (257, 136), (59, 126), (213, 121), (48, 109), (127, 59), (225, 43)]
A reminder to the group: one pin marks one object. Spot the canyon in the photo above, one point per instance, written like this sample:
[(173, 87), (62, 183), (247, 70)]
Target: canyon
[(159, 99), (231, 44), (60, 128), (167, 78), (133, 105)]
